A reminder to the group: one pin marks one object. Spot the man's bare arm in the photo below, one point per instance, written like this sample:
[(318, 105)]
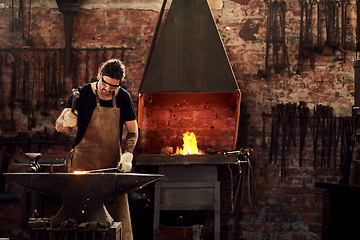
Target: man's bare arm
[(132, 136)]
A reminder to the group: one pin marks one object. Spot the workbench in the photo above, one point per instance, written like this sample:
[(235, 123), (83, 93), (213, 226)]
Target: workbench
[(340, 211)]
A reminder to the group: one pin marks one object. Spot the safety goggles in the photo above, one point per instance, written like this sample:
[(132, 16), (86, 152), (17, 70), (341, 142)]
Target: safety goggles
[(111, 85)]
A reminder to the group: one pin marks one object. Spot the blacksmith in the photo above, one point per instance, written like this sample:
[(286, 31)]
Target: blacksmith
[(101, 110)]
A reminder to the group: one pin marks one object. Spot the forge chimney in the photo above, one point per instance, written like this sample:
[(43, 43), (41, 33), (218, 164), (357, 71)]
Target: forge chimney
[(189, 55)]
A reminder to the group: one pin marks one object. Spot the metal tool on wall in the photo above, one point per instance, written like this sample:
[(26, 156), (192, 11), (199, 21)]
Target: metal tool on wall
[(31, 118), (284, 128), (245, 180), (275, 37), (347, 127), (13, 90), (357, 28), (327, 133), (333, 14), (304, 112), (37, 83), (305, 44), (323, 129), (69, 10), (24, 98)]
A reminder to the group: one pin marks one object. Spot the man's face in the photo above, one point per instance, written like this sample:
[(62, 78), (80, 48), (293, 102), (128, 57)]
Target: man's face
[(108, 85)]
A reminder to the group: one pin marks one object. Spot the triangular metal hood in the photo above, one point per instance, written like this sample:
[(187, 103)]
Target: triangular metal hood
[(189, 56)]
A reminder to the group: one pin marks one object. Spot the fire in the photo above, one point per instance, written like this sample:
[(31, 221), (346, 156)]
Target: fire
[(80, 172), (189, 146)]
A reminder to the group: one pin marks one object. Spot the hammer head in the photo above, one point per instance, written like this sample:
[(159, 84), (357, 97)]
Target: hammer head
[(75, 93)]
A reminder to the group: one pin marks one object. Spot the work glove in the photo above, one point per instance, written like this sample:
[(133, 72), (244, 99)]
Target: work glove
[(70, 119), (125, 163)]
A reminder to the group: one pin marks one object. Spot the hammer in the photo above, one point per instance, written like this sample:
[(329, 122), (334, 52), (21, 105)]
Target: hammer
[(76, 95)]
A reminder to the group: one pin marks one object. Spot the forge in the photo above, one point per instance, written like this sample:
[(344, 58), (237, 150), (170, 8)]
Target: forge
[(83, 194), (188, 86)]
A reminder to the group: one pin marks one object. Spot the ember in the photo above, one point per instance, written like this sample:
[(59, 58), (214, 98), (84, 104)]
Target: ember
[(81, 172), (189, 146)]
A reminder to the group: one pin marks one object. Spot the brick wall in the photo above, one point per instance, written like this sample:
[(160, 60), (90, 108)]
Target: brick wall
[(288, 209)]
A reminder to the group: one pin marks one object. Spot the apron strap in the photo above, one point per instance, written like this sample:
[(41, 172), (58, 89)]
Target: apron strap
[(97, 96), (113, 99)]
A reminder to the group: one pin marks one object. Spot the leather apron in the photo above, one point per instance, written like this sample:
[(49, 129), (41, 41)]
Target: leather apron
[(100, 148)]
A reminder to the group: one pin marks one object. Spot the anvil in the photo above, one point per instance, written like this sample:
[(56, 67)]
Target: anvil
[(83, 194)]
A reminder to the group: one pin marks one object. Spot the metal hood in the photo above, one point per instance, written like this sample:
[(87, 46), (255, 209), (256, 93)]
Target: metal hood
[(189, 56)]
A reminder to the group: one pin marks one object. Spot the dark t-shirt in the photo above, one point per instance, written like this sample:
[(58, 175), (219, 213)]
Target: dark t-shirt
[(86, 103)]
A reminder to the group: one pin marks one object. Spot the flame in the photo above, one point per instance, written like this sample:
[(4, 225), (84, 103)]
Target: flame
[(81, 172), (189, 146)]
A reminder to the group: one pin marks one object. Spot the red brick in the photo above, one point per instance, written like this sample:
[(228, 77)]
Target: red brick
[(297, 237), (308, 219), (315, 228)]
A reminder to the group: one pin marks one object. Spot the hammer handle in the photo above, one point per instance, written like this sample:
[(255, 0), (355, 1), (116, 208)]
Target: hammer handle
[(73, 105), (75, 95)]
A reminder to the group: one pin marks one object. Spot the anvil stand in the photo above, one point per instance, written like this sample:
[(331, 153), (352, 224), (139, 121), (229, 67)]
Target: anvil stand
[(40, 225), (83, 194)]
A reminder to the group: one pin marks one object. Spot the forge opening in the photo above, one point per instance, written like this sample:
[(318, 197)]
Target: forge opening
[(165, 117)]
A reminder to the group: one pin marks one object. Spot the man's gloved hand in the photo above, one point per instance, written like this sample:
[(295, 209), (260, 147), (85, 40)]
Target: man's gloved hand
[(70, 119), (125, 163)]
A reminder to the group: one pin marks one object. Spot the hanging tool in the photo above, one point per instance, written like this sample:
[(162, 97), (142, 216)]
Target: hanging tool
[(12, 23), (39, 71), (53, 90), (263, 142), (301, 43), (322, 136), (344, 20), (62, 84), (305, 45), (283, 115), (31, 120), (21, 18), (329, 120), (357, 28), (2, 97), (269, 30), (309, 34), (46, 73), (29, 40), (96, 66), (25, 102), (291, 120), (75, 69), (13, 91), (303, 111), (315, 129), (275, 36), (245, 179), (319, 46), (347, 134), (335, 141), (272, 141), (104, 59)]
